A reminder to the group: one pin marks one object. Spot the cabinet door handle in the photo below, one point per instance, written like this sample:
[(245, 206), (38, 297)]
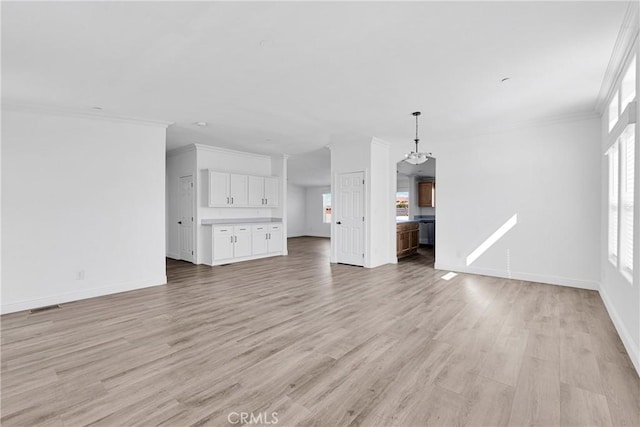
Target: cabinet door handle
[(227, 200), (231, 239), (236, 239), (266, 201), (232, 200)]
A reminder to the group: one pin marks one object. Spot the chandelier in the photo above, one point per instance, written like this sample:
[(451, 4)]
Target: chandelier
[(416, 157)]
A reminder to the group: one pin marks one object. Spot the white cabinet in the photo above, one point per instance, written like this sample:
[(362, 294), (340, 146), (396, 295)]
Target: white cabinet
[(238, 189), (256, 191), (218, 188), (264, 191), (275, 238), (222, 243), (267, 238), (272, 191), (231, 242), (259, 238), (228, 189)]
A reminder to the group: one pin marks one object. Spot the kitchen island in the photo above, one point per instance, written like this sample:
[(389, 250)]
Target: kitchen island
[(407, 237)]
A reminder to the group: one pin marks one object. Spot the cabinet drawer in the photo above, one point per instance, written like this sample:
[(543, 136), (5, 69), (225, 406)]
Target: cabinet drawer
[(259, 228), (227, 229), (240, 229), (275, 227)]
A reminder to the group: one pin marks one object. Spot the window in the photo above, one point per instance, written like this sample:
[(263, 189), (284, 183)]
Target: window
[(614, 177), (621, 160), (627, 166), (326, 208), (402, 205), (613, 112), (628, 86)]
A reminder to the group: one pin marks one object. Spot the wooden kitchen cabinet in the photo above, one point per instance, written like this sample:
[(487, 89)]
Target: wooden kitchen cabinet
[(427, 194), (407, 238)]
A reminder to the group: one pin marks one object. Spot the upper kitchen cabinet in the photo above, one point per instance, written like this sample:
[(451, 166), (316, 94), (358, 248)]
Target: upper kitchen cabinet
[(264, 191), (228, 189), (427, 194), (236, 190)]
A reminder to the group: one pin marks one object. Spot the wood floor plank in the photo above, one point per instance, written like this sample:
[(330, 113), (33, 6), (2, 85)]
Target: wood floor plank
[(320, 344), (580, 408), (537, 397)]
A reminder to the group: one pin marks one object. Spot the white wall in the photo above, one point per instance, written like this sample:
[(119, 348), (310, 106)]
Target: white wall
[(549, 176), (372, 157), (180, 163), (314, 225), (220, 159), (83, 208), (382, 213), (296, 210)]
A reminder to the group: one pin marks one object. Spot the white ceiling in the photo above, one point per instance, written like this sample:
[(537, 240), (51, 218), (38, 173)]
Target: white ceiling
[(290, 77)]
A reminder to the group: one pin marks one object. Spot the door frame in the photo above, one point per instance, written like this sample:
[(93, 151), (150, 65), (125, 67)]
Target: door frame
[(193, 222), (335, 206)]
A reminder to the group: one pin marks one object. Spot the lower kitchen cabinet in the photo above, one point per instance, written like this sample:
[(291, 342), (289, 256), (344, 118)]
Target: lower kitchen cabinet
[(407, 238), (233, 243)]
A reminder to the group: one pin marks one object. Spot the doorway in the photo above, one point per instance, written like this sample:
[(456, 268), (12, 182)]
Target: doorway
[(349, 218), (185, 219)]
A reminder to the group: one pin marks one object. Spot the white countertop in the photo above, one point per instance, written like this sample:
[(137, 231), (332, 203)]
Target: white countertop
[(232, 221)]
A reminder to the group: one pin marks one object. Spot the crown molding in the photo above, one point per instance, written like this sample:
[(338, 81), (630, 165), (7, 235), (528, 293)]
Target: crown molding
[(379, 141), (74, 112), (181, 150), (623, 48), (211, 148), (522, 125)]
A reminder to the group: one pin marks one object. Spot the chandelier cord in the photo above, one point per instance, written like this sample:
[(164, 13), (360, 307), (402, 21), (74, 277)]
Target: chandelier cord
[(417, 139)]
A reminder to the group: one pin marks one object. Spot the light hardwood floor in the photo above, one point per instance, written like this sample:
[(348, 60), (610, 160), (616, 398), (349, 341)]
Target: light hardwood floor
[(321, 344)]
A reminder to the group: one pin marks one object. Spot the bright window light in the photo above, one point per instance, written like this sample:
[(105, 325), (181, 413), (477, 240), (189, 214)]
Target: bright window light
[(402, 205), (450, 275), (628, 86), (614, 177), (627, 166), (326, 208), (491, 240), (614, 112)]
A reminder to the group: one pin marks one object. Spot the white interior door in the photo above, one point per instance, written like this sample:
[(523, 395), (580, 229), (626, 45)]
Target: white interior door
[(350, 218), (185, 220)]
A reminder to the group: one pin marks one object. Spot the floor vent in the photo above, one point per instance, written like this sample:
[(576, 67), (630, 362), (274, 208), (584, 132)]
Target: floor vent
[(45, 308)]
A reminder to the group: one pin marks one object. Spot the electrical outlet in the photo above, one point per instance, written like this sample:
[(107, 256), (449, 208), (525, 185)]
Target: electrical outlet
[(80, 275)]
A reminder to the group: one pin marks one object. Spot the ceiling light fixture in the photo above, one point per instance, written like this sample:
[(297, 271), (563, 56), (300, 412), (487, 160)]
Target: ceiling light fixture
[(200, 123), (416, 158)]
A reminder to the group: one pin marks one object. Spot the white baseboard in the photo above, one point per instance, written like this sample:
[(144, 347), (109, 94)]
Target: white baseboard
[(173, 256), (248, 258), (12, 307), (625, 336), (317, 235), (295, 235), (529, 277)]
